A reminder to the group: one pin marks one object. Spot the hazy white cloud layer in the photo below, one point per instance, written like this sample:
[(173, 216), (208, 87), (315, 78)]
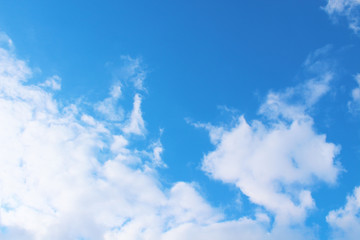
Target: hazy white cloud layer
[(346, 220), (275, 160), (347, 8)]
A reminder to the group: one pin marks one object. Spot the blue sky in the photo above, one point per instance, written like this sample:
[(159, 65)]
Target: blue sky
[(179, 119)]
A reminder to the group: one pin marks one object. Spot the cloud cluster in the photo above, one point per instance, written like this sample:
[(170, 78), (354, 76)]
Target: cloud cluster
[(347, 8), (275, 160), (65, 175)]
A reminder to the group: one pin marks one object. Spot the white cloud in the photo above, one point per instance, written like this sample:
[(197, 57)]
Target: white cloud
[(293, 103), (346, 220), (135, 123), (346, 8), (276, 160), (53, 82), (354, 104)]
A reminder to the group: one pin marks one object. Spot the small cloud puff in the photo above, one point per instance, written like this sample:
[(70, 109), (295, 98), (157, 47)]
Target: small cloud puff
[(53, 83)]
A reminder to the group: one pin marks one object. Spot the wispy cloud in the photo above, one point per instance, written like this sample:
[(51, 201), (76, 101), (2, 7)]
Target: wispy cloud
[(131, 71), (135, 124), (354, 103), (53, 83), (109, 107), (129, 75), (65, 174), (345, 8)]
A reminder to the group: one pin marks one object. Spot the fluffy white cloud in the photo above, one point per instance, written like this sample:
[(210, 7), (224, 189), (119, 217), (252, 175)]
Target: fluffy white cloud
[(276, 160), (354, 103), (65, 175), (346, 220), (347, 8)]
